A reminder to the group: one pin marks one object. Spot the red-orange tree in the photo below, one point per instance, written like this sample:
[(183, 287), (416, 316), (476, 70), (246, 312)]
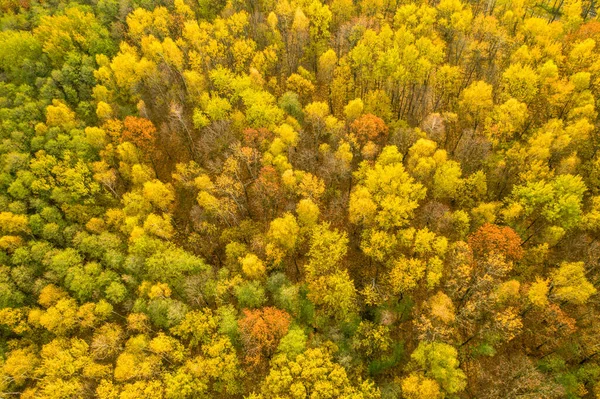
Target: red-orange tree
[(369, 127), (139, 131), (492, 238), (261, 330)]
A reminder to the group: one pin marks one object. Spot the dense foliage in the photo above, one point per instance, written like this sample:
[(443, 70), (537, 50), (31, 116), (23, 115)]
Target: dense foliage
[(299, 199)]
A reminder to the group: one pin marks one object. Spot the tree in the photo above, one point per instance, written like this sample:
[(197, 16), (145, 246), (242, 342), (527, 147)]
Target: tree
[(441, 363), (311, 372), (353, 109), (520, 82), (335, 293), (406, 274), (159, 194), (570, 284), (72, 30), (385, 194), (141, 132), (491, 238), (283, 234), (416, 386), (538, 292), (252, 266), (20, 51), (476, 101), (327, 250), (371, 340), (368, 127), (557, 202), (261, 330)]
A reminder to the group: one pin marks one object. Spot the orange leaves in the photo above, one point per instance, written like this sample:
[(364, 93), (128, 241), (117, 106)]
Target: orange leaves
[(257, 138), (492, 238), (261, 330), (369, 128), (139, 131)]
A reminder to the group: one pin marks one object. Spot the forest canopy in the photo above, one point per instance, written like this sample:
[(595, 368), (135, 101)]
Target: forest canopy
[(273, 199)]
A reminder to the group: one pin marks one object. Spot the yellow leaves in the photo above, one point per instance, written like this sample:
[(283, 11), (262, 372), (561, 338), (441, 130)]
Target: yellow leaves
[(477, 99), (252, 266), (405, 274), (11, 223), (371, 339), (143, 22), (217, 365), (287, 134), (130, 366), (123, 67), (167, 347), (538, 292), (58, 114), (378, 244), (485, 213), (328, 247), (11, 243), (138, 322), (336, 294), (272, 20), (141, 174), (496, 265), (385, 195), (362, 208), (454, 14), (311, 371), (435, 268), (195, 83), (172, 54), (440, 362), (61, 318), (217, 108), (300, 85), (570, 283), (86, 315), (300, 23), (417, 386), (198, 327), (580, 80), (423, 157), (63, 358), (308, 212), (106, 341), (353, 109), (158, 290), (509, 323), (135, 362), (326, 65), (140, 389), (423, 241), (20, 365), (160, 226), (284, 231), (203, 183), (442, 308), (316, 111), (15, 319), (104, 110), (520, 82), (508, 291), (161, 195), (50, 295), (581, 53), (344, 154)]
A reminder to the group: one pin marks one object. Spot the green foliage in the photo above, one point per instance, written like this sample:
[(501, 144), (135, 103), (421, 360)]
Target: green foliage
[(440, 361)]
